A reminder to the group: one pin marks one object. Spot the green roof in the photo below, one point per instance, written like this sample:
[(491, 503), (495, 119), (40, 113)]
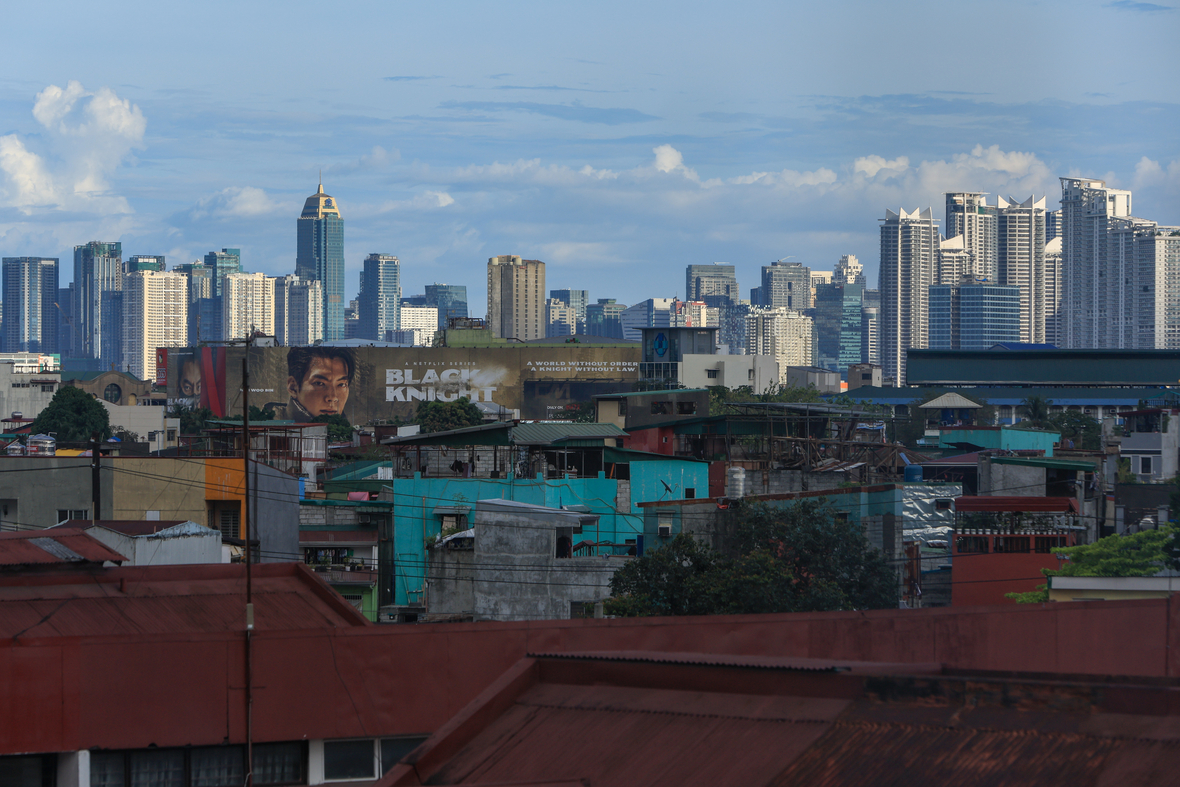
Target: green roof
[(666, 391), (628, 455), (1052, 464), (485, 434), (1043, 367)]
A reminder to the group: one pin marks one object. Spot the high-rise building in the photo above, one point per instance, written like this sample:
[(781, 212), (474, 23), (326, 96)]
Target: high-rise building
[(98, 302), (692, 314), (204, 313), (577, 300), (1052, 224), (652, 313), (516, 298), (909, 255), (144, 262), (560, 318), (155, 314), (785, 285), (1146, 258), (1053, 292), (785, 335), (221, 264), (380, 298), (422, 321), (605, 318), (839, 325), (320, 257), (30, 295), (973, 315), (449, 299), (65, 319), (1020, 258), (954, 261), (969, 215), (718, 280), (849, 270), (299, 311), (247, 305), (1089, 290)]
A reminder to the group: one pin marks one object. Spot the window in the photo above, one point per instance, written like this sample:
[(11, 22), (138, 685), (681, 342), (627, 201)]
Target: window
[(350, 760), (942, 504), (686, 408), (966, 545), (1012, 544), (112, 393), (690, 492), (29, 771), (1046, 544), (393, 749), (224, 516), (661, 408), (622, 407), (711, 374), (206, 766), (72, 513), (1145, 464)]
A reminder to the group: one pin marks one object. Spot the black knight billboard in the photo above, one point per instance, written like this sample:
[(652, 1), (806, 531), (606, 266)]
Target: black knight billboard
[(384, 383)]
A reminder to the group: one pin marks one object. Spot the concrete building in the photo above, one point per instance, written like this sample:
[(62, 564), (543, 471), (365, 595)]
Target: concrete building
[(517, 562), (692, 314), (577, 300), (715, 281), (969, 217), (26, 388), (154, 542), (826, 381), (1151, 444), (909, 254), (30, 313), (605, 318), (155, 315), (759, 372), (561, 319), (97, 311), (1145, 257), (1053, 291), (973, 315), (423, 320), (864, 374), (145, 262), (299, 311), (379, 301), (221, 264), (149, 423), (849, 270), (202, 318), (955, 262), (1088, 314), (786, 336), (320, 257), (516, 298), (784, 285), (1020, 246), (248, 305)]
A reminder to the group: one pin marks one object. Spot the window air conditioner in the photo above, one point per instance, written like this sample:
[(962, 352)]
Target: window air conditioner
[(664, 531)]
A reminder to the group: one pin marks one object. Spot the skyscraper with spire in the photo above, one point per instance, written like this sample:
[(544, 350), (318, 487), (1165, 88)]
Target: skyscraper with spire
[(320, 257)]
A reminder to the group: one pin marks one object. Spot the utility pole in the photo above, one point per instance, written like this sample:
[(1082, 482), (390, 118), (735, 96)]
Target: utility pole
[(95, 478), (248, 534)]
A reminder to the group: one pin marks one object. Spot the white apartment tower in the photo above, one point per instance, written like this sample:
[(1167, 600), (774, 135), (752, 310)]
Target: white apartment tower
[(1146, 258), (1089, 292), (909, 257), (247, 305), (849, 270), (516, 298), (155, 314), (422, 321), (787, 336), (1052, 298), (299, 312), (969, 215), (1020, 256)]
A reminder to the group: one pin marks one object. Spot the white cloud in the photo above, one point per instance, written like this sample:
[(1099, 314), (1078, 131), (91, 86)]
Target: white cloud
[(870, 166), (1150, 174), (236, 202), (87, 136)]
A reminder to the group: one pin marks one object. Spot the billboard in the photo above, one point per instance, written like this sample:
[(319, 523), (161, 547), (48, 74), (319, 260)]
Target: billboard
[(385, 383)]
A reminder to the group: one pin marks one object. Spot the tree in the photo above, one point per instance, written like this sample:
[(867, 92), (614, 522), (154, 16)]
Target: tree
[(192, 420), (794, 559), (339, 429), (1082, 429), (1142, 554), (444, 416), (74, 415), (1035, 409)]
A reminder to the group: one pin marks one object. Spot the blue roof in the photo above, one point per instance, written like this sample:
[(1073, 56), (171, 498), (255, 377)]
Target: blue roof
[(1022, 346)]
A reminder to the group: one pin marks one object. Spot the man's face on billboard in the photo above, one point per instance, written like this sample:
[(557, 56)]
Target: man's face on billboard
[(190, 378), (324, 389)]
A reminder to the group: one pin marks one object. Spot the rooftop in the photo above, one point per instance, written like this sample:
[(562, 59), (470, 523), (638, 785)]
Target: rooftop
[(57, 547)]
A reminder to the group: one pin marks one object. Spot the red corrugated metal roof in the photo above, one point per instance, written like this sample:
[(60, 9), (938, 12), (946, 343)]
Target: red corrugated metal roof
[(741, 660), (1017, 504), (57, 546), (169, 600)]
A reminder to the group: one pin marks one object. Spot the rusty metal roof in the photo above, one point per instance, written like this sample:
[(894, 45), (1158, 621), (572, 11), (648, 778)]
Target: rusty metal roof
[(1062, 505), (128, 527), (169, 600), (740, 660), (56, 546)]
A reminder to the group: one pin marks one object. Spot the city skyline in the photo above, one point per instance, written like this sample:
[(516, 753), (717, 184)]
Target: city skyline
[(608, 161)]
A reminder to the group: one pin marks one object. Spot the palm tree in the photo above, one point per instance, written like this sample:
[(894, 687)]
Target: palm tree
[(1035, 410)]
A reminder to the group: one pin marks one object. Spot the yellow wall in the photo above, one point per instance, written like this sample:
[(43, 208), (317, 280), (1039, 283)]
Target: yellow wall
[(174, 486)]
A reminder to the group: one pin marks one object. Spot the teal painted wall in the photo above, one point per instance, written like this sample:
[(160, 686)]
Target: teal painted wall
[(1006, 439)]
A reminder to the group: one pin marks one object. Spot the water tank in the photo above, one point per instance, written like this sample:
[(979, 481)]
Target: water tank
[(913, 473), (17, 416)]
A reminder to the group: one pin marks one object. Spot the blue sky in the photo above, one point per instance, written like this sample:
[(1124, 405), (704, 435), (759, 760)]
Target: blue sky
[(617, 142)]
